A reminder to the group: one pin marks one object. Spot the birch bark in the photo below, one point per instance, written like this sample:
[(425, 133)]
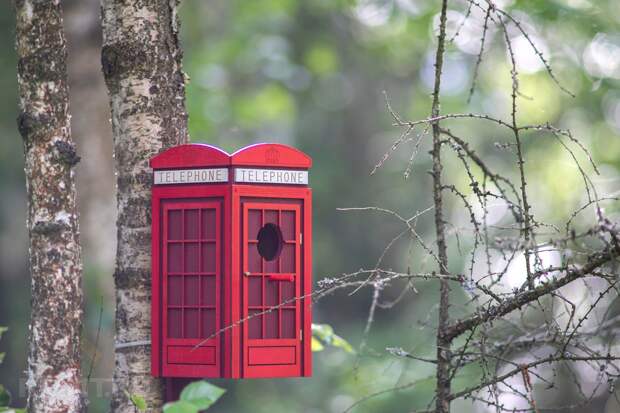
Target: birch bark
[(141, 62), (53, 381)]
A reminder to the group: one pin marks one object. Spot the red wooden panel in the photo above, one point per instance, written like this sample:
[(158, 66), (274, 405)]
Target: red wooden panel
[(272, 355), (168, 204), (191, 280), (191, 355), (274, 315)]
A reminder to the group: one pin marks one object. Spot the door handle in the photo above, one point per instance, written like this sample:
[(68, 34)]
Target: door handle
[(282, 277)]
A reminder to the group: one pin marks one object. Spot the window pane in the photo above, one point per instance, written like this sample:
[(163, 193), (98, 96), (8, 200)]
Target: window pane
[(254, 223), (175, 224), (271, 324), (271, 292), (288, 323), (287, 258), (208, 290), (175, 290), (208, 224), (255, 324), (287, 291), (254, 259), (174, 323), (191, 257), (208, 323), (191, 224), (191, 290), (191, 323), (271, 217), (208, 257), (287, 225), (255, 291), (175, 257)]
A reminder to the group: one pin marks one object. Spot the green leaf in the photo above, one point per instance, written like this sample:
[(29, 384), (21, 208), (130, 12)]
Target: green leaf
[(201, 394), (316, 345), (6, 409), (340, 342), (3, 330), (324, 333), (5, 396), (138, 401), (180, 407)]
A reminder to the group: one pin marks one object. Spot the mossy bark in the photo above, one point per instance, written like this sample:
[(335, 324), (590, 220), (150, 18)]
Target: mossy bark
[(54, 377), (141, 63)]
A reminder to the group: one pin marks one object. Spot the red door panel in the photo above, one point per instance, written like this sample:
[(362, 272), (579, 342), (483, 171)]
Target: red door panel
[(191, 288), (271, 289)]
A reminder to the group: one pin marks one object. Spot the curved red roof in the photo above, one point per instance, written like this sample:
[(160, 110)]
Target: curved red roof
[(190, 155), (202, 155), (271, 154)]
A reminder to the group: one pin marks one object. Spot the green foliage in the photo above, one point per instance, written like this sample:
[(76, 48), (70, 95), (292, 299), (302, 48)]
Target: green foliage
[(195, 397), (324, 335), (180, 406), (138, 401), (12, 410), (5, 396)]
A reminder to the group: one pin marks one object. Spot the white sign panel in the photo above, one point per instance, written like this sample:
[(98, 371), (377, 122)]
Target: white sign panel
[(271, 176), (191, 176)]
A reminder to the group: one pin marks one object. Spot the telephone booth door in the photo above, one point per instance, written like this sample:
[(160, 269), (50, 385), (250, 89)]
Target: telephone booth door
[(191, 288), (271, 268)]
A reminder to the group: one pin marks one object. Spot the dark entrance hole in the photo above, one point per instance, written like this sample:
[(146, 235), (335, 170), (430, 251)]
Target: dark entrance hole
[(269, 242)]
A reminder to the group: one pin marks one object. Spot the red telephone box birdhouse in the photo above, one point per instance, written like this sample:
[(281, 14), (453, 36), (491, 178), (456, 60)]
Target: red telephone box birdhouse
[(232, 262)]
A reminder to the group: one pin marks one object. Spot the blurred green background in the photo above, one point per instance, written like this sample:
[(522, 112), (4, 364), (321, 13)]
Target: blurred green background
[(311, 73)]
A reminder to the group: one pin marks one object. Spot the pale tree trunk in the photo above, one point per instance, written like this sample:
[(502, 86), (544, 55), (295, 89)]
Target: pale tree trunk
[(53, 383), (141, 61)]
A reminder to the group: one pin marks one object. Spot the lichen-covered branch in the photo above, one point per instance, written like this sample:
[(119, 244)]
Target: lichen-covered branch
[(141, 62), (53, 376), (442, 404)]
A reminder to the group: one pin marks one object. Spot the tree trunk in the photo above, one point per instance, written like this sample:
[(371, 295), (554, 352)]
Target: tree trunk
[(54, 383), (141, 61)]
